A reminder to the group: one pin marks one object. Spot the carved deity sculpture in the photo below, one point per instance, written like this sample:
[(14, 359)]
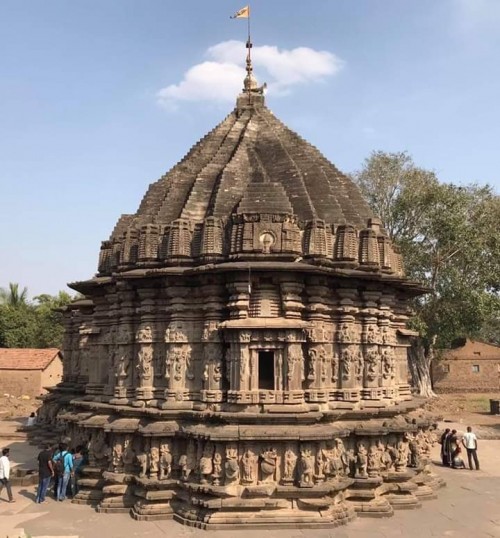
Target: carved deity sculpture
[(248, 464), (121, 366), (344, 334), (268, 464), (206, 464), (290, 462), (388, 365), (372, 361), (144, 334), (335, 368), (371, 335), (165, 461), (373, 461), (142, 460), (99, 451), (154, 462), (361, 461), (390, 456), (117, 457), (340, 463), (403, 453), (231, 467), (414, 449), (145, 358), (217, 473), (306, 468), (348, 359), (312, 365), (183, 467), (128, 456)]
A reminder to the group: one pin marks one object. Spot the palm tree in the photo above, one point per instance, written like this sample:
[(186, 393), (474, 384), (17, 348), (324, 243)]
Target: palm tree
[(14, 297)]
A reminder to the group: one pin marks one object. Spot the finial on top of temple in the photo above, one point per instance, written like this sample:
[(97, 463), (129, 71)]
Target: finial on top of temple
[(253, 94)]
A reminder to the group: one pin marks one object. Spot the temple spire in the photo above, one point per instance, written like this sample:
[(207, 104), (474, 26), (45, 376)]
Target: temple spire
[(250, 84)]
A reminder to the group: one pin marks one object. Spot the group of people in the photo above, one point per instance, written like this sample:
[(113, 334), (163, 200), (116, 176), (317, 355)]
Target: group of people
[(451, 450), (62, 467)]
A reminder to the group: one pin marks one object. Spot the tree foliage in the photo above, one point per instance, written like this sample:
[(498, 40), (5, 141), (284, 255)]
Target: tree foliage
[(26, 324), (449, 238)]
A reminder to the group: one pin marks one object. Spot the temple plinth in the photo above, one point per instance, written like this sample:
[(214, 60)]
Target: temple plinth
[(240, 358)]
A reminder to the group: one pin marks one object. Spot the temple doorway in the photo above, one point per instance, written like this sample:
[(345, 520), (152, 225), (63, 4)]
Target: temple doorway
[(266, 370)]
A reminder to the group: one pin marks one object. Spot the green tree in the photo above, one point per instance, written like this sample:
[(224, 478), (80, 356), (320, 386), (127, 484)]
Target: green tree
[(13, 296), (50, 328), (36, 324), (449, 239)]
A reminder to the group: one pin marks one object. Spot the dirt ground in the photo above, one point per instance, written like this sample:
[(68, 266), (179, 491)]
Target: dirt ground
[(16, 407), (473, 408)]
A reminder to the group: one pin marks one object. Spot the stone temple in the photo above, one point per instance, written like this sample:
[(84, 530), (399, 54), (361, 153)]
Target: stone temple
[(240, 358)]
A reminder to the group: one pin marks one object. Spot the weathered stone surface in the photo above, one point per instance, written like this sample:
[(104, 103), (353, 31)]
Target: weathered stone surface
[(241, 357)]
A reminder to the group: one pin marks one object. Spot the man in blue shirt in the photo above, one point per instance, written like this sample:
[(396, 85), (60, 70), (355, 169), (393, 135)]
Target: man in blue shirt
[(66, 468)]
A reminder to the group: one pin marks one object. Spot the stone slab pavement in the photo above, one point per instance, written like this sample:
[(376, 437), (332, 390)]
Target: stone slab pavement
[(469, 507)]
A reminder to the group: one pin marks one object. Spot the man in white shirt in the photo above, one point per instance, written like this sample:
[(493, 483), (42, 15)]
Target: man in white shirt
[(469, 440), (5, 474)]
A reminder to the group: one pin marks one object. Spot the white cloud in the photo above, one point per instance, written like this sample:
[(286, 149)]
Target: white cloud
[(220, 79)]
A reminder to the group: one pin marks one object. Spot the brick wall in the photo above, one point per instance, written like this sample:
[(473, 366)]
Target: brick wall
[(473, 367)]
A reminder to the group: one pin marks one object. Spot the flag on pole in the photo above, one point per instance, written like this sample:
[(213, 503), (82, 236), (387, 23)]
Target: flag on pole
[(243, 13)]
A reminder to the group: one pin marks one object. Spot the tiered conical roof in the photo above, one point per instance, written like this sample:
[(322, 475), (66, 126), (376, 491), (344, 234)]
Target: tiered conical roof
[(250, 163)]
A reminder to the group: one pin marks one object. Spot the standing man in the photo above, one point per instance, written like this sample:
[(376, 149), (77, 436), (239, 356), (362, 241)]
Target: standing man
[(63, 460), (469, 440), (45, 473), (5, 474)]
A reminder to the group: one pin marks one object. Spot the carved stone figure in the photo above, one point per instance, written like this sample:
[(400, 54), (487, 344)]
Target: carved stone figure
[(388, 366), (144, 334), (165, 461), (248, 464), (373, 461), (128, 456), (361, 461), (403, 453), (347, 362), (372, 362), (306, 468), (206, 464), (145, 359), (371, 335), (183, 467), (154, 461), (231, 467), (121, 366), (290, 463), (268, 464), (345, 334), (217, 474), (142, 460), (117, 455), (335, 368), (414, 449), (312, 365)]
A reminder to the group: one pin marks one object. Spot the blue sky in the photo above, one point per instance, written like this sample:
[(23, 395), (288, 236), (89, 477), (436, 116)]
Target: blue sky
[(99, 98)]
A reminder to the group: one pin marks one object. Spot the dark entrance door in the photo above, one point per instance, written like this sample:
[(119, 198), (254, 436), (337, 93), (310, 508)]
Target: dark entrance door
[(266, 370)]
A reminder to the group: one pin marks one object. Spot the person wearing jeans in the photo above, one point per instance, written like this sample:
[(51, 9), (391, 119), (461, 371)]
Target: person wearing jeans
[(66, 464), (469, 441), (45, 473), (5, 474)]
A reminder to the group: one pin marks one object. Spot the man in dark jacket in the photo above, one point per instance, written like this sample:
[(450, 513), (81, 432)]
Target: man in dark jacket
[(45, 473)]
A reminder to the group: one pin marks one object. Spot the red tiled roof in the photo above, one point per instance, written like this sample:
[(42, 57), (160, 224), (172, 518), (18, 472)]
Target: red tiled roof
[(26, 359)]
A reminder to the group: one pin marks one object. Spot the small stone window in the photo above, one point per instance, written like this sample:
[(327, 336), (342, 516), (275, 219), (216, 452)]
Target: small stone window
[(445, 367), (475, 368)]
